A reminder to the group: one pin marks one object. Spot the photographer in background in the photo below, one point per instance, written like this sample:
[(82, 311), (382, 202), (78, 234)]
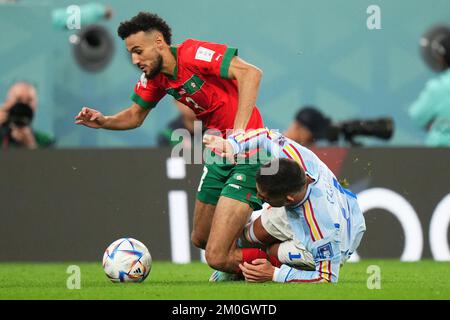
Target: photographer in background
[(431, 111), (16, 116), (311, 126)]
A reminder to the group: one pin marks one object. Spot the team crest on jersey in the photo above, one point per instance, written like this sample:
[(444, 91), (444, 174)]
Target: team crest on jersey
[(240, 177), (281, 140), (325, 252), (204, 54)]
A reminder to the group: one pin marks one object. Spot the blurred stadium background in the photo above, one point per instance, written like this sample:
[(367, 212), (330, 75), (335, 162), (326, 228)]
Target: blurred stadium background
[(312, 52), (319, 53)]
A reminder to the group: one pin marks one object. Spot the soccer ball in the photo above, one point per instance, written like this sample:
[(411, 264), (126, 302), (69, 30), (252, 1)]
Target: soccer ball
[(127, 260)]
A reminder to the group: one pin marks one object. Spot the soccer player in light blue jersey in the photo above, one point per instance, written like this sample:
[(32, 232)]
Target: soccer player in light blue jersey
[(318, 212)]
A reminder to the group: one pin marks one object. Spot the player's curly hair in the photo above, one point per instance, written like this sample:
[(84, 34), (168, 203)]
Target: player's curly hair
[(290, 178), (145, 21)]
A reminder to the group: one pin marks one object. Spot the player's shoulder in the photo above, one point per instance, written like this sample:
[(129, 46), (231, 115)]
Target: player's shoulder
[(195, 43), (188, 45), (190, 48), (281, 140), (290, 144), (187, 50)]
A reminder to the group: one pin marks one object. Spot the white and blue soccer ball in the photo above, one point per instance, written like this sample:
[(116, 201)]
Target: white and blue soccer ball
[(127, 260)]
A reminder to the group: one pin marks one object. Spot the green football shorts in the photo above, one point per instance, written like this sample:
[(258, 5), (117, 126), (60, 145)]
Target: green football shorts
[(229, 180)]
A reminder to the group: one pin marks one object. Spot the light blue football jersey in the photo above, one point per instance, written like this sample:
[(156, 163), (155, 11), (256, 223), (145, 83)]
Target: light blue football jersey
[(328, 221)]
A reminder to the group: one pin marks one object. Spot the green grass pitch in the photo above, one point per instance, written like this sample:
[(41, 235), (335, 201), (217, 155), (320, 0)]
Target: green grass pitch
[(419, 280)]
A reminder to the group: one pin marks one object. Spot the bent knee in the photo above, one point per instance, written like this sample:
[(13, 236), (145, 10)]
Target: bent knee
[(198, 241), (215, 260)]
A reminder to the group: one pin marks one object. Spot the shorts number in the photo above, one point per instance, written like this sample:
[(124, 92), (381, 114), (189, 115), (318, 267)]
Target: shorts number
[(205, 172)]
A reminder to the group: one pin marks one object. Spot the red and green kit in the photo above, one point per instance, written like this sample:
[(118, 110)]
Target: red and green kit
[(201, 82)]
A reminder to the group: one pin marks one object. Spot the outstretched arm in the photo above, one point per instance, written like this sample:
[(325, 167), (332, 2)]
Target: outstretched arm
[(129, 118)]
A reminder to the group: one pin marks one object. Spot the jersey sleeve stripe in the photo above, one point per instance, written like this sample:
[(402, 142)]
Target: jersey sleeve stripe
[(325, 271), (226, 61), (255, 136), (299, 155), (310, 221), (287, 154), (141, 102), (329, 270), (291, 153), (314, 218), (295, 156), (254, 133)]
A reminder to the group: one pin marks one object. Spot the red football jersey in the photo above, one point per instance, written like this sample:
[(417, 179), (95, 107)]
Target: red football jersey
[(200, 81)]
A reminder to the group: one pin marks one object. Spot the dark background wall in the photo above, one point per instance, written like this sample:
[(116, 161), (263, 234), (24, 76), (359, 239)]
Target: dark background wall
[(68, 205)]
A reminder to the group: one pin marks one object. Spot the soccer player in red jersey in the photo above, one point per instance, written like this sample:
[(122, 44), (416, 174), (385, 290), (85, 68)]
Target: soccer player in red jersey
[(221, 89)]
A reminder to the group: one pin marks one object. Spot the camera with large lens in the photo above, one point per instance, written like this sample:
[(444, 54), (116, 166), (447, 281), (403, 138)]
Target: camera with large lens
[(93, 48), (20, 114), (381, 128)]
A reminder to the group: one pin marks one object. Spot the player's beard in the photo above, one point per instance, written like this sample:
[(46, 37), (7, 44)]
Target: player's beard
[(156, 69)]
